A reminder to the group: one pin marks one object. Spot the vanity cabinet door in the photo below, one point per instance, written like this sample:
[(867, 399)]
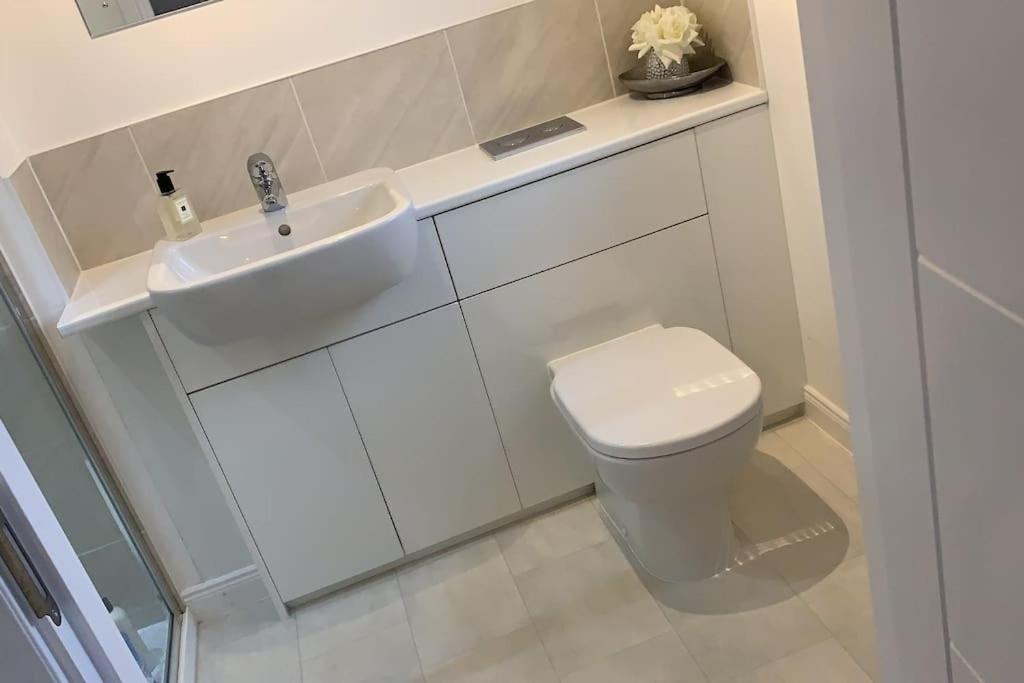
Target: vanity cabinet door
[(292, 455), (749, 227), (668, 278), (421, 406)]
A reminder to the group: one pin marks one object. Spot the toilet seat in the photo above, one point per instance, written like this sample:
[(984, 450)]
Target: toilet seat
[(655, 392)]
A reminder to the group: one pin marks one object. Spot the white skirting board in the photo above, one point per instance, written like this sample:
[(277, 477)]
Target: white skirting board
[(827, 415), (220, 596)]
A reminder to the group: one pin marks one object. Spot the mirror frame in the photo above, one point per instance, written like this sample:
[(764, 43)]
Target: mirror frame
[(94, 36)]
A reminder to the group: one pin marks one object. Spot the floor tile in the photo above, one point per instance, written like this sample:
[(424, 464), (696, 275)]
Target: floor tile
[(518, 657), (797, 520), (389, 654), (662, 659), (589, 604), (557, 599), (825, 662), (774, 445), (358, 635), (460, 599), (843, 602), (823, 452), (554, 534), (740, 620), (250, 645)]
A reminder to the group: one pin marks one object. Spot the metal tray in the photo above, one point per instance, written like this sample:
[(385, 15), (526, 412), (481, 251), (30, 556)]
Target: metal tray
[(701, 69)]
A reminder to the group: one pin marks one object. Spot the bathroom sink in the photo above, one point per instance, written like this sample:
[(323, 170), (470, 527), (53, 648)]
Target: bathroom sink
[(249, 274)]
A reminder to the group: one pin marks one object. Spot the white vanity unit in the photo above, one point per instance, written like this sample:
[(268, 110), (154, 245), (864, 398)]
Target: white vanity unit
[(423, 415)]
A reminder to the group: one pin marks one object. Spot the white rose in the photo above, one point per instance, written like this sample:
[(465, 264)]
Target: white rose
[(670, 33)]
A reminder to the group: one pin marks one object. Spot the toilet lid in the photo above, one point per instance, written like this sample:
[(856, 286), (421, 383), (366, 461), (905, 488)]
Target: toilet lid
[(655, 392)]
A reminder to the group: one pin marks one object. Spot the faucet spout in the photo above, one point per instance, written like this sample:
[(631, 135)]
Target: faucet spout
[(267, 183)]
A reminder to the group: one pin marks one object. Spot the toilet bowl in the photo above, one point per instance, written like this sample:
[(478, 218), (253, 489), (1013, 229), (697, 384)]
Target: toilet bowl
[(669, 417)]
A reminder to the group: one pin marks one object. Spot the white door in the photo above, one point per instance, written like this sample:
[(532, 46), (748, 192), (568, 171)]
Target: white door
[(53, 624)]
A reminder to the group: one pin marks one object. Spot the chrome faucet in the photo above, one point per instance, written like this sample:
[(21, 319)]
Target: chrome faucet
[(263, 175)]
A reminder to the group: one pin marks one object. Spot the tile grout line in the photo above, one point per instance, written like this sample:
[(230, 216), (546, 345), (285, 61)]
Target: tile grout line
[(604, 44), (408, 623), (138, 151), (529, 615), (309, 131), (610, 539), (53, 212), (462, 91)]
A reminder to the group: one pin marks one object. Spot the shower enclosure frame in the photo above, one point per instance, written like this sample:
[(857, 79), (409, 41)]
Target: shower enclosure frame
[(12, 295)]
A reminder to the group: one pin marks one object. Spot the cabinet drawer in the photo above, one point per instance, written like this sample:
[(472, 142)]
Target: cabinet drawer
[(579, 212), (429, 286), (292, 456), (420, 402)]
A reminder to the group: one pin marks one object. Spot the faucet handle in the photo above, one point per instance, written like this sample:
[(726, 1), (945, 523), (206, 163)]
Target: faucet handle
[(265, 179), (262, 172)]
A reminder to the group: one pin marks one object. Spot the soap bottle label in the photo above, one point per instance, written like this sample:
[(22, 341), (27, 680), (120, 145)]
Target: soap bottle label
[(183, 210)]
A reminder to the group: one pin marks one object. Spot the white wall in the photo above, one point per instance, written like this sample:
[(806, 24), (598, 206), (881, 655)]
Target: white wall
[(10, 158), (778, 32), (65, 86)]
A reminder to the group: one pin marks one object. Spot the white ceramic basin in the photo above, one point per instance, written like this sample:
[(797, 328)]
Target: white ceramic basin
[(350, 240)]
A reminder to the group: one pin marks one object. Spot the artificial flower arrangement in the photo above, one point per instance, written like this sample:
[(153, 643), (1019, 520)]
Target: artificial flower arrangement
[(669, 34)]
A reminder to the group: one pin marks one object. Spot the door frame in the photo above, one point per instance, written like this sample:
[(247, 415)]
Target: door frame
[(853, 75)]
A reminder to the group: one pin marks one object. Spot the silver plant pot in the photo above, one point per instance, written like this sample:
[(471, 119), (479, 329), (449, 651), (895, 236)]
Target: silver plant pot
[(656, 70)]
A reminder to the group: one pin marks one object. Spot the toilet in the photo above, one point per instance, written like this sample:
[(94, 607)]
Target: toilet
[(669, 417)]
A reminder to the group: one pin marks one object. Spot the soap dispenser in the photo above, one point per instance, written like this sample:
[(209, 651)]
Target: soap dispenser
[(176, 213)]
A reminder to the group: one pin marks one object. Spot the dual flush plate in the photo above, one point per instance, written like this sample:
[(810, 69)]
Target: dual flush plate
[(531, 137)]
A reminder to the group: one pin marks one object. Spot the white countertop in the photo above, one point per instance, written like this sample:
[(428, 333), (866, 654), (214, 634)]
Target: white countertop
[(118, 290)]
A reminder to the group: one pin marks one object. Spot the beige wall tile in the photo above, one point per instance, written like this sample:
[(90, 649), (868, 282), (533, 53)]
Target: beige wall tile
[(530, 63), (46, 226), (99, 191), (394, 107), (728, 24), (208, 145)]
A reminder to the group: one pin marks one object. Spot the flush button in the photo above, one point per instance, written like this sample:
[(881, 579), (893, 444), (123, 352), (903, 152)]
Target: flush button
[(528, 138)]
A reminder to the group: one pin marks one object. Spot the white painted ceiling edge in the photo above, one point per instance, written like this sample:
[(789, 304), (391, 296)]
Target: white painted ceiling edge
[(62, 85)]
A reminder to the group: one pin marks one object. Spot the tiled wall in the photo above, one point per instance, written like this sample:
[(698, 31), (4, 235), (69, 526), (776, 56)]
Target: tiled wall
[(394, 107)]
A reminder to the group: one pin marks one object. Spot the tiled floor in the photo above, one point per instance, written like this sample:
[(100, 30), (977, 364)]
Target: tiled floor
[(555, 599)]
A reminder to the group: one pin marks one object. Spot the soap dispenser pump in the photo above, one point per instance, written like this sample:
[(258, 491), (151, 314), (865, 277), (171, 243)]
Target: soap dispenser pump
[(176, 212)]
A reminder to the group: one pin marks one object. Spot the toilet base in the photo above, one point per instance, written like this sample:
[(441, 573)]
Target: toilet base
[(690, 540)]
